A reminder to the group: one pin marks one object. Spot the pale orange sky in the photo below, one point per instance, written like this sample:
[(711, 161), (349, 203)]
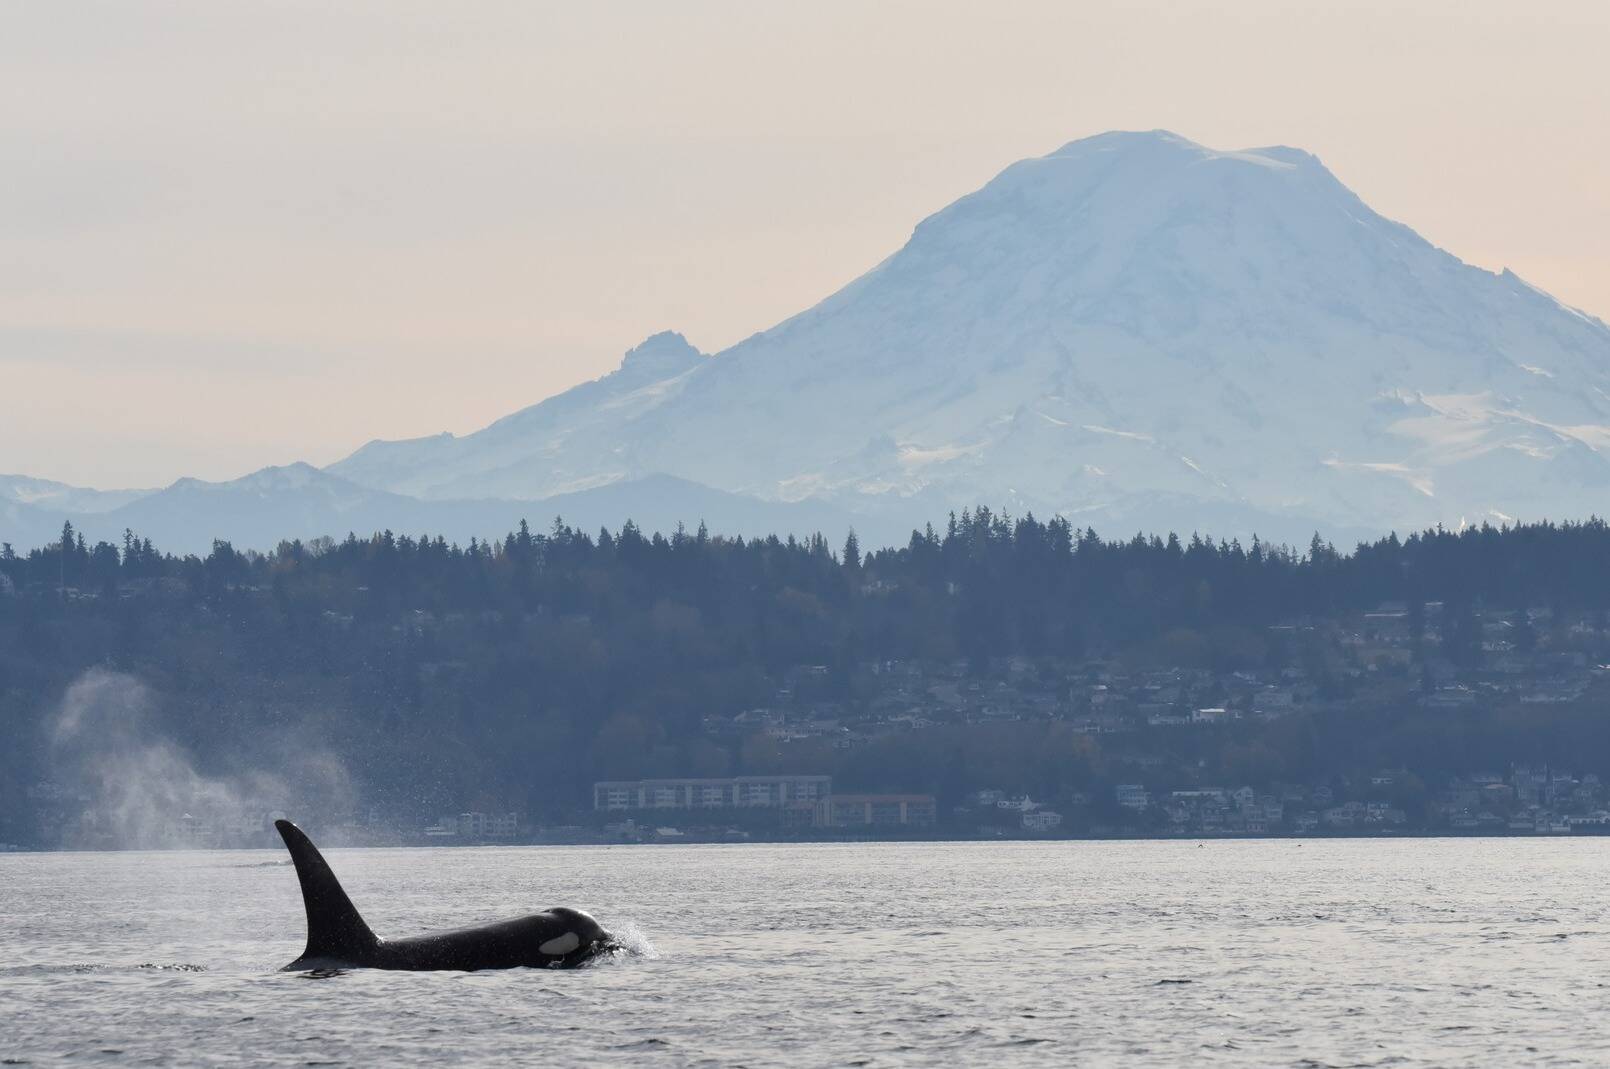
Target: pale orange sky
[(244, 235)]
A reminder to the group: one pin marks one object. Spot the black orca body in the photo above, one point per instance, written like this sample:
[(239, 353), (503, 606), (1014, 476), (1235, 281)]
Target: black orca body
[(338, 938)]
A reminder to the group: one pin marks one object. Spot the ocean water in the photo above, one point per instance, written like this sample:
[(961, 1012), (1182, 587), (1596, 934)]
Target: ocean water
[(1275, 952)]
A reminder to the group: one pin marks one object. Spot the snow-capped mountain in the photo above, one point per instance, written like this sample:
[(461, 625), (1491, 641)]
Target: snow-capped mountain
[(1133, 330)]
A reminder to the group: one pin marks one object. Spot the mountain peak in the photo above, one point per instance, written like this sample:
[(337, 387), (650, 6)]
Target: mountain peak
[(661, 356), (1162, 144), (1150, 231), (296, 475), (1128, 141)]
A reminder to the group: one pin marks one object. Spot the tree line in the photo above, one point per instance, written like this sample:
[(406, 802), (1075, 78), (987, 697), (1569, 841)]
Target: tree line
[(450, 672)]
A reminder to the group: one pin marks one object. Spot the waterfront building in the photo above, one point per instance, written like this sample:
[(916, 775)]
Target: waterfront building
[(1133, 796), (737, 792), (1042, 820), (475, 826), (876, 810)]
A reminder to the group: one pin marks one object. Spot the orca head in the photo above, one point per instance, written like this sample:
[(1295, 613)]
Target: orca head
[(580, 937)]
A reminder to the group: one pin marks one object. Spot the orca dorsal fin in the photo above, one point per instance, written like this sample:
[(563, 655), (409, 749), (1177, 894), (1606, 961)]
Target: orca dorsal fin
[(334, 927)]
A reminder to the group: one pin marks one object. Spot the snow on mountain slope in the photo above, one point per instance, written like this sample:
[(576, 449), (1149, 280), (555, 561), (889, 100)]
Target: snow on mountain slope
[(561, 445), (1131, 325), (24, 527), (32, 510), (60, 497)]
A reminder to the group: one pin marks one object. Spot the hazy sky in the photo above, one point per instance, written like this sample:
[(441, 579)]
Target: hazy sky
[(234, 235)]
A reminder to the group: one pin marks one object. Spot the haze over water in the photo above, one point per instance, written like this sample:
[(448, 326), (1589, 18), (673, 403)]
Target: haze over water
[(1410, 952)]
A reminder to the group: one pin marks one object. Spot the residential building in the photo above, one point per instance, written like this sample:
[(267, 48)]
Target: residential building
[(1133, 796), (1041, 820), (875, 810), (738, 792), (475, 826)]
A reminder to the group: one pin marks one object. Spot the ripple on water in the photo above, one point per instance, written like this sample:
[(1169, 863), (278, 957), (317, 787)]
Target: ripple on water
[(82, 967), (1154, 954)]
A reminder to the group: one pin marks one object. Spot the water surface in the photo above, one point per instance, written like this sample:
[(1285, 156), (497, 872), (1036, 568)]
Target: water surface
[(1359, 952)]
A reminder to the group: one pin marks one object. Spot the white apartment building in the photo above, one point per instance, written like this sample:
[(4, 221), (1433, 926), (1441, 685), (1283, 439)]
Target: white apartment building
[(737, 792)]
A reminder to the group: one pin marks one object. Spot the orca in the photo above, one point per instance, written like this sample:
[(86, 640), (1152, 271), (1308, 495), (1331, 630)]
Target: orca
[(338, 938)]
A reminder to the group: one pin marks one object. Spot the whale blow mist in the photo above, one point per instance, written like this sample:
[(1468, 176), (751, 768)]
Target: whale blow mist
[(128, 784)]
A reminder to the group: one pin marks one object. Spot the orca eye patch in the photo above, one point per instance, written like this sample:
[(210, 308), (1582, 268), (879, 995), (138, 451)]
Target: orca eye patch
[(560, 945)]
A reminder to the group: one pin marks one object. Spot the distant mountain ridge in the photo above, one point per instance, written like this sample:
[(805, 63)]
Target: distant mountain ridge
[(55, 496), (1133, 331), (299, 501)]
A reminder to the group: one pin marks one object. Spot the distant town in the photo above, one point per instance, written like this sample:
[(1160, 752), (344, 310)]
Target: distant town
[(1141, 718), (1004, 679)]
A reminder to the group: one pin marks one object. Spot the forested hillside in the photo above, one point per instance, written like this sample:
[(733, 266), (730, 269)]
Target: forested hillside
[(514, 673)]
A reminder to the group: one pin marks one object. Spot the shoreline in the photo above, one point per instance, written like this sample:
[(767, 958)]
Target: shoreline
[(692, 840)]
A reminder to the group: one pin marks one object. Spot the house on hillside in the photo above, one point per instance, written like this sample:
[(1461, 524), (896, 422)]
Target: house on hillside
[(1133, 796), (875, 810), (1041, 820)]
